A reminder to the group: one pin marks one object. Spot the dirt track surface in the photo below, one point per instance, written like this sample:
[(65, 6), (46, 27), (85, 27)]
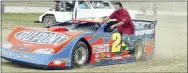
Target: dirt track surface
[(170, 53)]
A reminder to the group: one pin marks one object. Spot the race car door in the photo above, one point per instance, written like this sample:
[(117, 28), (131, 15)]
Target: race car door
[(117, 47)]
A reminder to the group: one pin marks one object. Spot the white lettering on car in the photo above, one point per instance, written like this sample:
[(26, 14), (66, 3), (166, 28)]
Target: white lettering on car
[(144, 32), (101, 48), (41, 37), (20, 55)]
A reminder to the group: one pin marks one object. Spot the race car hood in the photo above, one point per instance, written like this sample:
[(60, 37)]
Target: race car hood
[(31, 39)]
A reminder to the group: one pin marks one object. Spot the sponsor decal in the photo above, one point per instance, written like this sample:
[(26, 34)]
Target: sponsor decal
[(20, 55), (142, 25), (103, 55), (97, 55), (144, 32), (108, 55), (117, 57), (139, 25), (98, 60), (41, 37), (21, 48), (65, 60), (127, 56), (101, 48)]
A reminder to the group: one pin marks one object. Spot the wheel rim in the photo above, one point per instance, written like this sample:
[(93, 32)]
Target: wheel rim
[(138, 51), (80, 55), (49, 22)]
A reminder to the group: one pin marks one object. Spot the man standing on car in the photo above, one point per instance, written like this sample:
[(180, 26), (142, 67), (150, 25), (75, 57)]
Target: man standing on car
[(124, 25)]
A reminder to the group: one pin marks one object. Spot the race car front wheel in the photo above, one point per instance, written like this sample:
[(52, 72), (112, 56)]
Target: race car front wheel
[(80, 55), (49, 21)]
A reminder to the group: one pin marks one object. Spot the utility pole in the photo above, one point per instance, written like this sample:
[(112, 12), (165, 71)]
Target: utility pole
[(154, 9)]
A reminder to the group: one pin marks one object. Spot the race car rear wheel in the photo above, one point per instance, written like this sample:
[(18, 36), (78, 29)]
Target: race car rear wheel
[(49, 21), (80, 55), (139, 50)]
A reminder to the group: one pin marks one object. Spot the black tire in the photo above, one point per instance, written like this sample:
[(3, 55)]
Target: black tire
[(49, 21), (139, 53), (83, 49)]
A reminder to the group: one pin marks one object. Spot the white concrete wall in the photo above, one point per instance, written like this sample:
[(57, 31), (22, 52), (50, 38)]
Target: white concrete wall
[(18, 9), (163, 8)]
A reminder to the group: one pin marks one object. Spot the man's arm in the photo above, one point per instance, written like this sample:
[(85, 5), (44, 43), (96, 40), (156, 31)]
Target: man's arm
[(116, 25), (119, 24), (112, 16)]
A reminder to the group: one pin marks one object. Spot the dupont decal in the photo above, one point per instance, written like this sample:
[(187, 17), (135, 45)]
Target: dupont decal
[(144, 32), (41, 37), (101, 48)]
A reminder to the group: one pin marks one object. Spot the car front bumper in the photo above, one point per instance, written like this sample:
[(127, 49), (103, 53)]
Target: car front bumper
[(30, 59)]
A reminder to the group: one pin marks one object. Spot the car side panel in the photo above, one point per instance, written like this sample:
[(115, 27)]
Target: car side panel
[(101, 45)]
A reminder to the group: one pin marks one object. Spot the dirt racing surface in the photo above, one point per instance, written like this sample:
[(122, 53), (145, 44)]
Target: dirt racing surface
[(170, 53)]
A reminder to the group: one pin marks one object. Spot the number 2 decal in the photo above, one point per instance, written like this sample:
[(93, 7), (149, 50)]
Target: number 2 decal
[(116, 46)]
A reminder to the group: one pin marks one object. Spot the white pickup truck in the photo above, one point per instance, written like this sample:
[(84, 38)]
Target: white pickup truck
[(65, 11)]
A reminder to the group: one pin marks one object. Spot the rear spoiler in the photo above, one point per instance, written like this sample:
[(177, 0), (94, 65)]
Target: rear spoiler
[(149, 21)]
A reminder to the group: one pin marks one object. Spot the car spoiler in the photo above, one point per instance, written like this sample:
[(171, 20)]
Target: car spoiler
[(149, 21)]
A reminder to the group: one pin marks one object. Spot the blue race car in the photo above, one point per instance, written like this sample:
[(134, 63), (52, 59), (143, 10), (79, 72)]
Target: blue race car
[(78, 44)]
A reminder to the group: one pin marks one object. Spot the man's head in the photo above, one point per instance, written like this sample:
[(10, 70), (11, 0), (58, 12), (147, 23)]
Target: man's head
[(118, 6)]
